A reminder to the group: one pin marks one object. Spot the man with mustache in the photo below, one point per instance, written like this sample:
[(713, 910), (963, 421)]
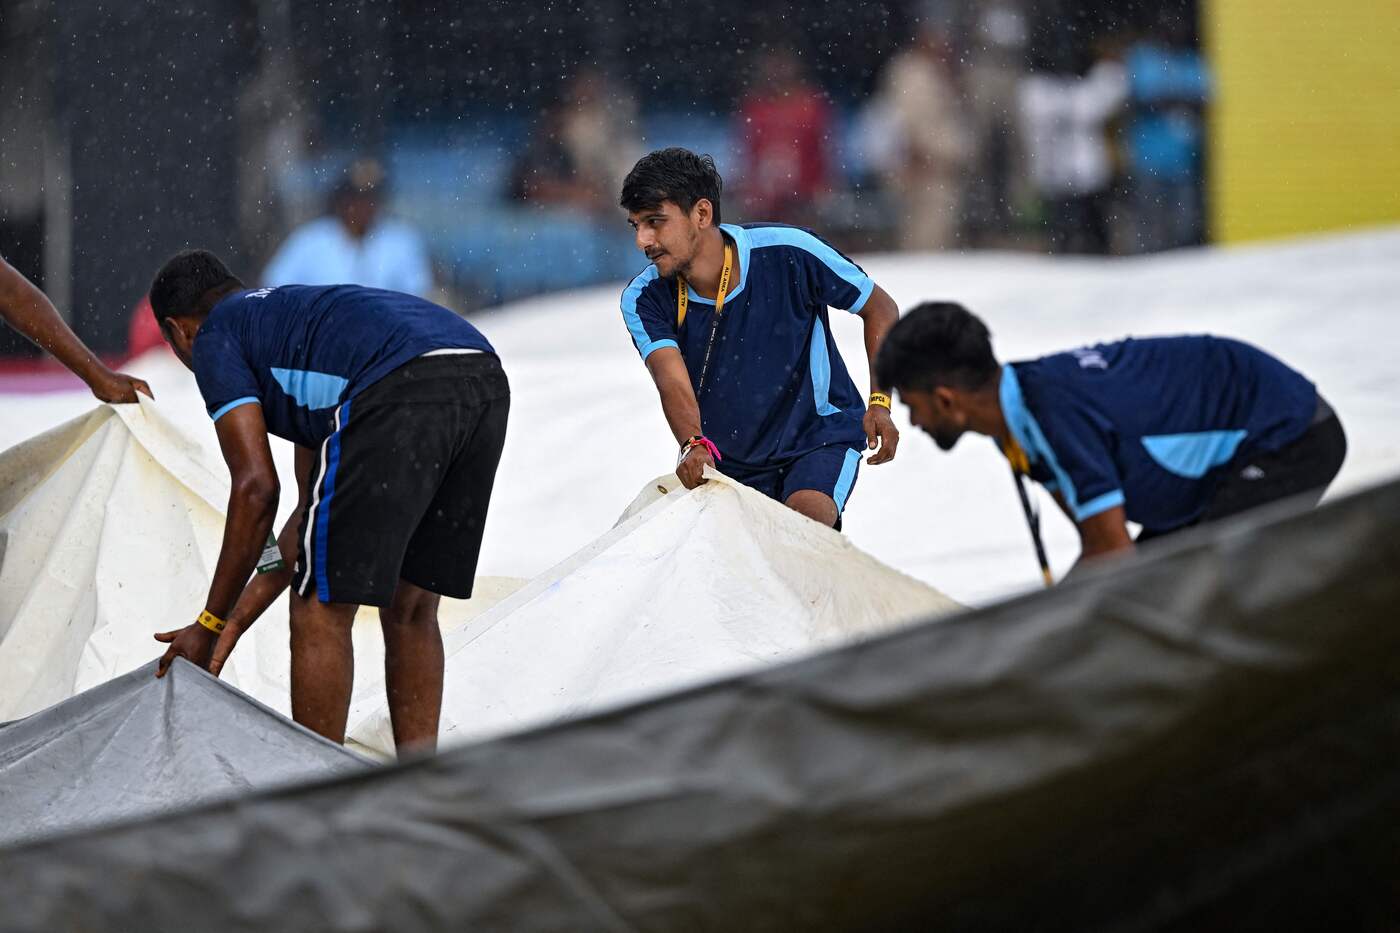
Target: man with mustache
[(732, 324)]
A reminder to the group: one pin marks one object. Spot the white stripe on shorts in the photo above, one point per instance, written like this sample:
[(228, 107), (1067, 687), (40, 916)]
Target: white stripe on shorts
[(311, 513)]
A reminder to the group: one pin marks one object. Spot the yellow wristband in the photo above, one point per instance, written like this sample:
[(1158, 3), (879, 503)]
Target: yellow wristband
[(212, 622), (880, 398)]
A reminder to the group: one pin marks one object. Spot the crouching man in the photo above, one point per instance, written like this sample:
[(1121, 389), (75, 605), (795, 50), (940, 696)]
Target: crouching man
[(398, 410), (1167, 432)]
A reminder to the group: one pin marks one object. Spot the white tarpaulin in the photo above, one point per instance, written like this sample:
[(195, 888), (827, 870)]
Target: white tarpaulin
[(689, 586), (111, 525), (107, 526)]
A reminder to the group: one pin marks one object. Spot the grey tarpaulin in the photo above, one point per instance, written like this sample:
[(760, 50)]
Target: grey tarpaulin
[(1203, 736), (135, 746)]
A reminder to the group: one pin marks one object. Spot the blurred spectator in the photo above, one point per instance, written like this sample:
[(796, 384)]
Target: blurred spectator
[(785, 127), (999, 187), (1065, 121), (925, 165), (354, 243), (544, 173), (599, 129), (582, 147), (1168, 90)]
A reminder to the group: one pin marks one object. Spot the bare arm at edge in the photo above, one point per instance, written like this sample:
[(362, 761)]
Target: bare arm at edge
[(30, 312)]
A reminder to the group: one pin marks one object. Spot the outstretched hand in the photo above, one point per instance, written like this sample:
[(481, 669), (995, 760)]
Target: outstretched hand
[(194, 643), (118, 387), (880, 433)]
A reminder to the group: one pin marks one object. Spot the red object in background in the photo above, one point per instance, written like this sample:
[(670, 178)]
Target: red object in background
[(144, 333), (785, 139)]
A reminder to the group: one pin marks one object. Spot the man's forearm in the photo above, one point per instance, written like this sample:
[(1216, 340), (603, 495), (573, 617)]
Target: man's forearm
[(879, 315), (30, 312), (251, 512), (264, 588), (681, 410), (1104, 534)]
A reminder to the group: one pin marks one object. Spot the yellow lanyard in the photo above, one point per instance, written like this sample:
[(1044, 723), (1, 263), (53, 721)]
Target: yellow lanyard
[(1016, 456), (1020, 469), (683, 299)]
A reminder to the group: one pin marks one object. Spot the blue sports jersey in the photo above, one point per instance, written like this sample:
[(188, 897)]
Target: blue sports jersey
[(776, 387), (1150, 424), (301, 350)]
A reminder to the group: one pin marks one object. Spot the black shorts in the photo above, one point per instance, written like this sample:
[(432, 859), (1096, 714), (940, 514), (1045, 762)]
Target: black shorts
[(401, 488), (1302, 469)]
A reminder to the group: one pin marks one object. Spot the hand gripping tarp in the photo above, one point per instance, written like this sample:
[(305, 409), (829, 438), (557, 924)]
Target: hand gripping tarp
[(137, 746), (1200, 737)]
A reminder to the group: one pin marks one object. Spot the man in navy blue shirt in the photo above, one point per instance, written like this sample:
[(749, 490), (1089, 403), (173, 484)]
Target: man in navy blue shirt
[(398, 410), (1167, 432), (732, 324)]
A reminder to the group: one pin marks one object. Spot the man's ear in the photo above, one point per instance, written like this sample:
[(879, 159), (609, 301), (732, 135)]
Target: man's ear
[(946, 399), (171, 327), (703, 213)]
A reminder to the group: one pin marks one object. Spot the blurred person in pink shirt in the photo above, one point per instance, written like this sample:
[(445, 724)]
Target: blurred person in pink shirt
[(785, 127)]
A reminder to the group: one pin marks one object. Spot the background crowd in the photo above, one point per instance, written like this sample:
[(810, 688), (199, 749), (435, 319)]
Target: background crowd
[(475, 152)]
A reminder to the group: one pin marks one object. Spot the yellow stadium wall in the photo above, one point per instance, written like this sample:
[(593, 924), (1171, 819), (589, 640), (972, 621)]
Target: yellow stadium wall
[(1305, 125)]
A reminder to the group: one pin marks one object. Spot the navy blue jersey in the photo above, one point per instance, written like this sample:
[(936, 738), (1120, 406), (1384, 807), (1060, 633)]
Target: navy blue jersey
[(1150, 424), (776, 387), (301, 350)]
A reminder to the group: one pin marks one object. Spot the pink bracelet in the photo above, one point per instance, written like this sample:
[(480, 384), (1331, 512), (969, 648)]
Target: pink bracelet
[(698, 440)]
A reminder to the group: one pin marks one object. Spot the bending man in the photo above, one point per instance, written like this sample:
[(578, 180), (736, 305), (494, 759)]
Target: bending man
[(397, 408), (1167, 432), (732, 323)]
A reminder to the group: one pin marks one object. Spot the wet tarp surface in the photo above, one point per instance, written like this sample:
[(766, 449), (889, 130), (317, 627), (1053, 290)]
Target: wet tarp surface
[(137, 746), (689, 586), (110, 526), (1200, 737)]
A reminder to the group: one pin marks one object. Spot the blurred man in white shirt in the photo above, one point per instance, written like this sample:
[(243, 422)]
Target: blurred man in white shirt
[(1065, 130), (354, 243)]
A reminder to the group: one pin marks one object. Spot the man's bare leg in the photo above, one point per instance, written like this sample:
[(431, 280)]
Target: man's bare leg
[(817, 506), (413, 667), (323, 664)]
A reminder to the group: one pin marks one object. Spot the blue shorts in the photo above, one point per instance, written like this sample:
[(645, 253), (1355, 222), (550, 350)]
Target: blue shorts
[(831, 470)]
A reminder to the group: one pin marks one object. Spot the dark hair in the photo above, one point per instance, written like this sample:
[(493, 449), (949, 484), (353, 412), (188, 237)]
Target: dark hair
[(183, 284), (937, 343), (364, 177), (673, 174)]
